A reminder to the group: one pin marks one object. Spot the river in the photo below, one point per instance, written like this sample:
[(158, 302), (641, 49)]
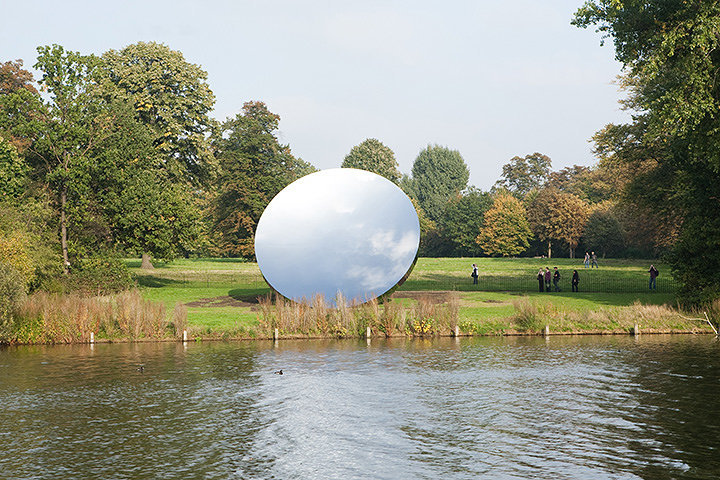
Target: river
[(590, 407)]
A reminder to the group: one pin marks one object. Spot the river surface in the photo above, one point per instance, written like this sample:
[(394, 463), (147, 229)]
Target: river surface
[(587, 407)]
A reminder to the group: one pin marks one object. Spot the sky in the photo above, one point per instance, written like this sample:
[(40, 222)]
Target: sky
[(490, 78)]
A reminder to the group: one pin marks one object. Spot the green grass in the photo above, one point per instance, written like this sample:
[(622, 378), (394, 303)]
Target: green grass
[(616, 284)]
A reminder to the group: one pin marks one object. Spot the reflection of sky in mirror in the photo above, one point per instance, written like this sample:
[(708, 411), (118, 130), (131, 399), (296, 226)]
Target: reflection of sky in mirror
[(340, 230)]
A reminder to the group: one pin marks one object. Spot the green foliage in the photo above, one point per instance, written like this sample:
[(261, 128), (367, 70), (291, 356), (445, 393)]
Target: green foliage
[(27, 242), (604, 233), (437, 175), (12, 293), (505, 231), (557, 217), (13, 171), (463, 219), (523, 174), (99, 275), (372, 155), (171, 97), (669, 51), (254, 167)]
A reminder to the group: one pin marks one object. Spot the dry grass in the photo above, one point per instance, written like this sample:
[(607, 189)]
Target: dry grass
[(530, 317), (52, 318), (315, 318)]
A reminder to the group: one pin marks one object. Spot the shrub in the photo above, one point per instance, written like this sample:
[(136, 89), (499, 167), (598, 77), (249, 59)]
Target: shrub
[(100, 276), (12, 294)]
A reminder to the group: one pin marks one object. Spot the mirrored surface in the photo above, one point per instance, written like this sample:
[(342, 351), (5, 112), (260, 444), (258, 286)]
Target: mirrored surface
[(336, 231)]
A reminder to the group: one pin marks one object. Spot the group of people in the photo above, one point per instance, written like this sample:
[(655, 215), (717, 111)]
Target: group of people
[(591, 260), (544, 278)]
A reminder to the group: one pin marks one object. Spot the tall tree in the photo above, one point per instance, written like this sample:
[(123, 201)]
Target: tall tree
[(437, 175), (71, 123), (173, 99), (557, 217), (254, 167), (372, 155), (505, 231), (671, 56), (523, 174)]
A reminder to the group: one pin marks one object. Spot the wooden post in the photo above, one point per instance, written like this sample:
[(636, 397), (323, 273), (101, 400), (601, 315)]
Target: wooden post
[(184, 335), (547, 330), (368, 333), (276, 334), (457, 331), (92, 337), (636, 329)]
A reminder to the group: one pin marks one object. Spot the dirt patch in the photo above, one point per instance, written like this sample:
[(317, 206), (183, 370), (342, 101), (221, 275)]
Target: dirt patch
[(493, 301), (225, 301), (432, 297)]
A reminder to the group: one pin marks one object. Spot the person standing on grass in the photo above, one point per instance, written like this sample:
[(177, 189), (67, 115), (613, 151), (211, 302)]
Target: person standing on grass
[(556, 279), (587, 260), (575, 281), (474, 274), (548, 276), (541, 280), (653, 275), (593, 257)]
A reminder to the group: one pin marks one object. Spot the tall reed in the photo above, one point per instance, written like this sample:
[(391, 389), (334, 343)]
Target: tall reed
[(352, 319), (53, 318)]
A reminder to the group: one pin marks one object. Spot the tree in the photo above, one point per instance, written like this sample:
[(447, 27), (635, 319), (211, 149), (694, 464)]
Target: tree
[(70, 124), (254, 167), (669, 51), (523, 174), (462, 220), (505, 231), (603, 232), (437, 175), (557, 217), (373, 156), (171, 97), (20, 104)]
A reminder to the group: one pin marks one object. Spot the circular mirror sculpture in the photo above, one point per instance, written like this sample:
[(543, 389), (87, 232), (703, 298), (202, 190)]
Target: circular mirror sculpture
[(339, 231)]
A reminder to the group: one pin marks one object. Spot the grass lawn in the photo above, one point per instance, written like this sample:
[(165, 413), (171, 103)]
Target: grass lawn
[(220, 293)]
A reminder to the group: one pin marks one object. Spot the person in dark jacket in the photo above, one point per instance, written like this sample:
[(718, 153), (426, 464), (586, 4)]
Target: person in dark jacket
[(653, 275), (556, 279), (474, 274), (541, 280), (575, 281), (548, 277)]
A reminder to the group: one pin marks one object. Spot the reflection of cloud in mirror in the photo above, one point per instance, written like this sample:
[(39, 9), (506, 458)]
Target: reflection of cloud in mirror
[(340, 230)]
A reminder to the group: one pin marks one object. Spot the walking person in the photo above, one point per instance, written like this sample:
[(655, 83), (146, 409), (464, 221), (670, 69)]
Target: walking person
[(593, 258), (548, 276), (474, 274), (575, 281), (541, 280), (556, 279), (587, 260), (653, 275)]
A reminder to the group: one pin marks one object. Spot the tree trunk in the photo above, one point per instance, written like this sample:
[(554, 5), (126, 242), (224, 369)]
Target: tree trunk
[(572, 252), (549, 249), (63, 231), (146, 264)]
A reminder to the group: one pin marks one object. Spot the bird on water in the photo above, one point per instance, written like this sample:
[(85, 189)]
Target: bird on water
[(279, 372), (141, 368)]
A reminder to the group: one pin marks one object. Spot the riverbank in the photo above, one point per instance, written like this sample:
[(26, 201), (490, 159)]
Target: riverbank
[(228, 299)]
